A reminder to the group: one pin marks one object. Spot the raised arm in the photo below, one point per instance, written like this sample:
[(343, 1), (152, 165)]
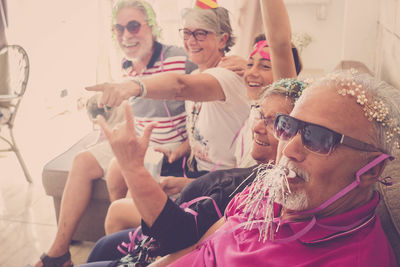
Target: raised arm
[(278, 33), (130, 150), (195, 87)]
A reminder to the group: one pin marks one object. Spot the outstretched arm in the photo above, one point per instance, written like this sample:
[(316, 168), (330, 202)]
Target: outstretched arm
[(195, 87), (130, 149), (278, 33)]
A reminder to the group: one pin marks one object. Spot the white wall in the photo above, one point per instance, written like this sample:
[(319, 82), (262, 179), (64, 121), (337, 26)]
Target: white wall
[(360, 31), (61, 41), (326, 32), (388, 48)]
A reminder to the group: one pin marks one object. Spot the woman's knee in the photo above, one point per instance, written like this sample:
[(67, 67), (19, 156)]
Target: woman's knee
[(112, 219), (122, 214), (115, 181)]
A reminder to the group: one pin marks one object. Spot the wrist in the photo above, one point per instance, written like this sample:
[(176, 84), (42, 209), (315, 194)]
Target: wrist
[(142, 88), (134, 169)]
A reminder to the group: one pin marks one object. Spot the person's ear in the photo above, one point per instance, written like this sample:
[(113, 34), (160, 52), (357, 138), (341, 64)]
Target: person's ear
[(222, 41), (373, 174)]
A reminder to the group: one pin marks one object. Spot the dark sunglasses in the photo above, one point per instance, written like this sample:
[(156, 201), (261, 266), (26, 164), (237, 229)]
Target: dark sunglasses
[(257, 114), (199, 34), (315, 138), (132, 27)]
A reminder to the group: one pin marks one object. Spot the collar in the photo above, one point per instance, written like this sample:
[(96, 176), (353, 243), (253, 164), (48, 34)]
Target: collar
[(332, 227), (127, 64), (156, 54)]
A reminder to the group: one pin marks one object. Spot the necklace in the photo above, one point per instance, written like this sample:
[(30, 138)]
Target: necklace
[(193, 117)]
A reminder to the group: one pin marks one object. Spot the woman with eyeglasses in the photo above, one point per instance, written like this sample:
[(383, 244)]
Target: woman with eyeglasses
[(258, 75), (217, 104), (234, 143)]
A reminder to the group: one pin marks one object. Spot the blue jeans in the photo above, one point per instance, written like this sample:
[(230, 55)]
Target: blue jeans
[(106, 248)]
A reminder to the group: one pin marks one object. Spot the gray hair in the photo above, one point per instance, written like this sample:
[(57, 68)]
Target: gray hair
[(382, 107), (213, 19), (291, 88), (145, 8)]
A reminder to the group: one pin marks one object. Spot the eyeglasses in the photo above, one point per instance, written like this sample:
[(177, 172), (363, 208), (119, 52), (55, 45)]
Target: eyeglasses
[(132, 27), (315, 138), (257, 114), (199, 34)]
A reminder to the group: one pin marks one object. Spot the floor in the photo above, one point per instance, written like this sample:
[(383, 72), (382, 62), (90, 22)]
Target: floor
[(27, 218)]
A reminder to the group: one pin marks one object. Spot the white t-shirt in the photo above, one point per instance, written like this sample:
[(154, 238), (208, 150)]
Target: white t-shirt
[(244, 145), (212, 139)]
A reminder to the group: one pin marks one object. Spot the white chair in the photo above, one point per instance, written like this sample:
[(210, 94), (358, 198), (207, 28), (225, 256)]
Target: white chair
[(15, 64)]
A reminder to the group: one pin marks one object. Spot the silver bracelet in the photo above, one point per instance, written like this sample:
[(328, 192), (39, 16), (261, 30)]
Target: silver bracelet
[(143, 89)]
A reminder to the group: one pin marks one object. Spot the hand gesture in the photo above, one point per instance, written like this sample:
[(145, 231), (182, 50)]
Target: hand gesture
[(171, 155), (234, 63), (128, 148), (114, 93)]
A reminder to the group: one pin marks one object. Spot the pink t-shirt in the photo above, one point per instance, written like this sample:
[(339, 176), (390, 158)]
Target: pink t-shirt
[(365, 244)]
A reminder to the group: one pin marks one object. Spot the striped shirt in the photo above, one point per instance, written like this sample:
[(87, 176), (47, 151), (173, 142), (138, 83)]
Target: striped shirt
[(170, 115)]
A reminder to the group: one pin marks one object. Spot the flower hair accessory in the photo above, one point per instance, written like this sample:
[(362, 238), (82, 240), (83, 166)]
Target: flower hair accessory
[(294, 88), (374, 109)]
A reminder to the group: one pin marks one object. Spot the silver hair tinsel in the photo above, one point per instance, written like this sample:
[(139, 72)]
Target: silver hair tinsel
[(269, 186)]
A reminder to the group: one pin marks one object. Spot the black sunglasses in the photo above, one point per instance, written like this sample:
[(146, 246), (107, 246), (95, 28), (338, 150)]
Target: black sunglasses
[(132, 27), (315, 138), (199, 34)]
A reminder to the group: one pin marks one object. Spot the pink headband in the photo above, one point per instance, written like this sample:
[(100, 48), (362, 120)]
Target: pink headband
[(258, 48)]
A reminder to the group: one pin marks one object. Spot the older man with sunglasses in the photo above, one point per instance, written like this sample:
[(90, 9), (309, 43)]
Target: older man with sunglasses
[(136, 31), (316, 207)]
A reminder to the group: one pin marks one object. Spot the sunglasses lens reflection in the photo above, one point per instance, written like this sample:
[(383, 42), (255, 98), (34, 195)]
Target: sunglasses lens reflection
[(133, 26), (285, 127), (119, 29), (315, 138)]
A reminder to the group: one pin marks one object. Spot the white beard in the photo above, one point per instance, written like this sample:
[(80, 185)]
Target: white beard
[(298, 200), (294, 201), (271, 180)]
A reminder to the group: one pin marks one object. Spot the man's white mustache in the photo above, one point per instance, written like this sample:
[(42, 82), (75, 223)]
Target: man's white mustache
[(285, 162)]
